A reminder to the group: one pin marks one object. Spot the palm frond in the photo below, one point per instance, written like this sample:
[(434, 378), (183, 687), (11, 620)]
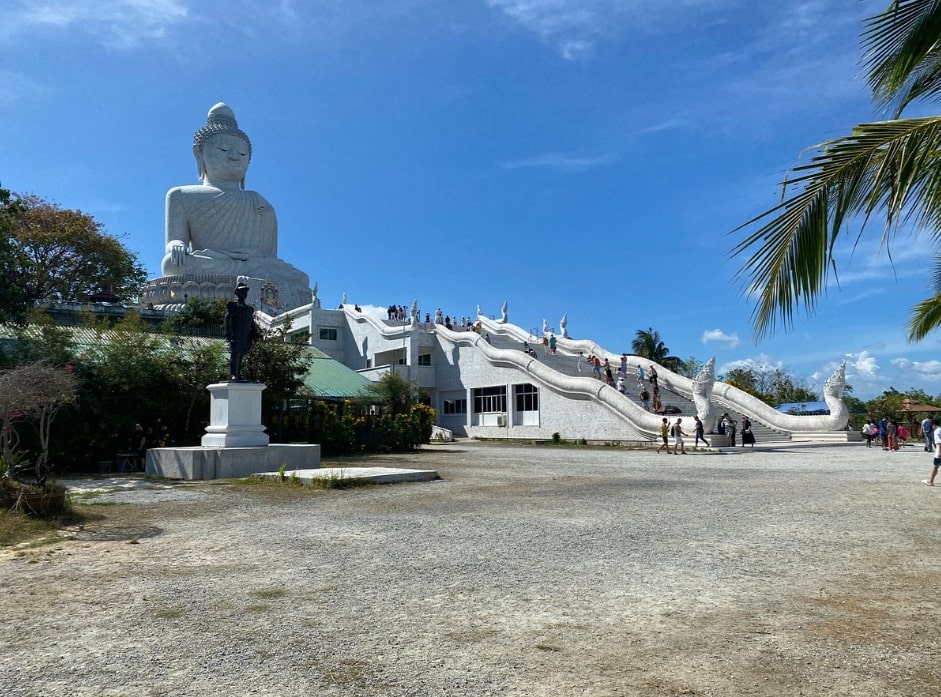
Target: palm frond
[(926, 315), (923, 84), (899, 43), (889, 166), (925, 318)]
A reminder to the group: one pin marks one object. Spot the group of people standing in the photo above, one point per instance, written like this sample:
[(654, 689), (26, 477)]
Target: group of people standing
[(466, 324), (396, 313), (728, 427), (890, 434)]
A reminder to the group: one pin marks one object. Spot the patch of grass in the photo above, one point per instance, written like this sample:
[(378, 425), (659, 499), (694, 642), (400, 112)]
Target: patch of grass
[(336, 481), (268, 593), (258, 607), (349, 672), (168, 613), (19, 528), (295, 483), (548, 647)]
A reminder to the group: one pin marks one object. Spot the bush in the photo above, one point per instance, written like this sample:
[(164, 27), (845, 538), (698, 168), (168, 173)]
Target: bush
[(48, 501), (345, 430)]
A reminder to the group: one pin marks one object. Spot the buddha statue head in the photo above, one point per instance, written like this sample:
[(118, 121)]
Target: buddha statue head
[(221, 148)]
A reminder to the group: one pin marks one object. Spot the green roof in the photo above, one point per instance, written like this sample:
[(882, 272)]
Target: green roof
[(327, 378)]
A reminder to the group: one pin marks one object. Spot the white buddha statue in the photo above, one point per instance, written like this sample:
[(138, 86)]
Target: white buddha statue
[(219, 228)]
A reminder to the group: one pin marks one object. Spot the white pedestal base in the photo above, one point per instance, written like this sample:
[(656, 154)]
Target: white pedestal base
[(235, 416), (229, 463)]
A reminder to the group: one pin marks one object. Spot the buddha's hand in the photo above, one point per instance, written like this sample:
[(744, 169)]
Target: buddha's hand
[(177, 251)]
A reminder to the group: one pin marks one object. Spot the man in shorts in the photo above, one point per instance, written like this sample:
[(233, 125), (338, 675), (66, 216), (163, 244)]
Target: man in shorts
[(664, 435), (937, 452), (679, 445)]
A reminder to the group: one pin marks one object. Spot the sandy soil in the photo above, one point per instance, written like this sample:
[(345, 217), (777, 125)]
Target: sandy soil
[(523, 571)]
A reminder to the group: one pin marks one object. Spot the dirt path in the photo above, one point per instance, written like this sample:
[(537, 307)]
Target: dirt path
[(523, 571)]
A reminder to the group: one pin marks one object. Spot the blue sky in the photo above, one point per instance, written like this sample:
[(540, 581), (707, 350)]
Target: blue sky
[(579, 157)]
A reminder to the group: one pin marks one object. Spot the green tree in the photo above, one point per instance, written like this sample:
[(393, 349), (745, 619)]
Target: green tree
[(198, 317), (886, 168), (281, 364), (395, 394), (771, 385), (889, 404), (66, 252), (690, 367), (13, 301), (744, 379), (129, 375), (200, 363), (649, 345)]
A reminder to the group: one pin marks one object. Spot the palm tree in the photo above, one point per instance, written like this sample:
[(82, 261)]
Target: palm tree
[(889, 168), (648, 344)]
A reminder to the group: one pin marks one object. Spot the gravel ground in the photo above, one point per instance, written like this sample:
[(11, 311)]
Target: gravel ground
[(529, 571)]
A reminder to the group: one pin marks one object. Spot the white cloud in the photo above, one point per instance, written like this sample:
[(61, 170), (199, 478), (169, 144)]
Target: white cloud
[(863, 374), (731, 340), (572, 26), (561, 161), (928, 371), (375, 311), (862, 363), (576, 49), (761, 362), (121, 24)]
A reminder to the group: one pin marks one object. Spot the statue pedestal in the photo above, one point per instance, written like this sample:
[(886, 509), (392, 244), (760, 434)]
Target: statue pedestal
[(235, 444), (235, 416)]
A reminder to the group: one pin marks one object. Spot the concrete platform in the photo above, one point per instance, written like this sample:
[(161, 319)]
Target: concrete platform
[(371, 475), (229, 463)]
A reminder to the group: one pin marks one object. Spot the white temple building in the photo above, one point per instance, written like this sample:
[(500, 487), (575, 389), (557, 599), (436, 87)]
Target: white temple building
[(483, 384)]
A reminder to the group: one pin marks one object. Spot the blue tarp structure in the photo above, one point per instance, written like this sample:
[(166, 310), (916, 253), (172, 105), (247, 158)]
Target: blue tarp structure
[(805, 408)]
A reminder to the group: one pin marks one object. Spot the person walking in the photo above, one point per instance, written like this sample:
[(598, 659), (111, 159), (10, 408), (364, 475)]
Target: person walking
[(927, 431), (867, 431), (937, 452), (892, 433), (730, 426), (679, 445), (698, 430), (664, 435), (621, 388), (595, 366), (748, 438)]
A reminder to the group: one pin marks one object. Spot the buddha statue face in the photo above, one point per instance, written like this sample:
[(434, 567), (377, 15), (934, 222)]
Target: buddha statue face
[(224, 158)]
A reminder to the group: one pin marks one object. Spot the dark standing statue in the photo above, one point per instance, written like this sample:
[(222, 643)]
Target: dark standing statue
[(240, 330)]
